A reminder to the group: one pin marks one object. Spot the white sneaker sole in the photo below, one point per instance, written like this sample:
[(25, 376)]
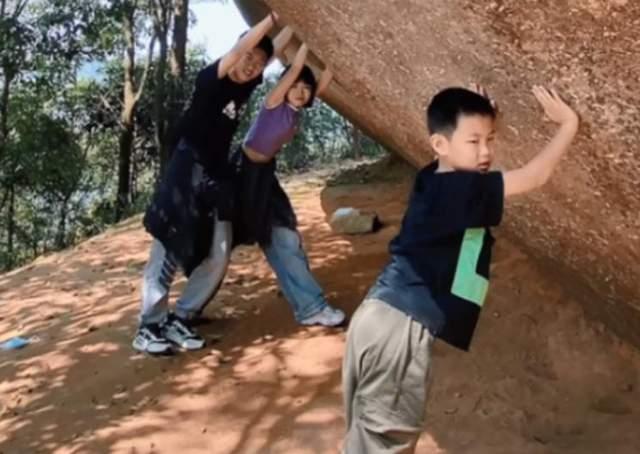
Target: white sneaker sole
[(160, 349), (322, 321)]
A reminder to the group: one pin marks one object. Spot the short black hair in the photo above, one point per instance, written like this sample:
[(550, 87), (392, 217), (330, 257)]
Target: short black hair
[(446, 107), (306, 76), (265, 44)]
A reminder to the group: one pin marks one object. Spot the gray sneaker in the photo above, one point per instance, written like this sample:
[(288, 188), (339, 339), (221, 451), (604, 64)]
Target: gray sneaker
[(180, 333), (329, 316), (149, 339)]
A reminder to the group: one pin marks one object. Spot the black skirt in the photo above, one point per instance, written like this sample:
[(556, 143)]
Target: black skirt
[(259, 202)]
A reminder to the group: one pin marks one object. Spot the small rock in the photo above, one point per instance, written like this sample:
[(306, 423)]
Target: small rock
[(351, 221), (451, 411), (496, 314), (268, 337), (204, 430)]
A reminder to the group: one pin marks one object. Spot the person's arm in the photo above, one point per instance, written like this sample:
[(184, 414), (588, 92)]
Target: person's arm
[(278, 93), (537, 171), (325, 80), (281, 41), (245, 44)]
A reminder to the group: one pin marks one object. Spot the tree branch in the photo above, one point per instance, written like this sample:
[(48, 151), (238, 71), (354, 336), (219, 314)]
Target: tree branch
[(19, 8), (145, 73)]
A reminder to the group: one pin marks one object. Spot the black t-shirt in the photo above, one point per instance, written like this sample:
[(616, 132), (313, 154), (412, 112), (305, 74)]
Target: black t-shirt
[(439, 268), (213, 116)]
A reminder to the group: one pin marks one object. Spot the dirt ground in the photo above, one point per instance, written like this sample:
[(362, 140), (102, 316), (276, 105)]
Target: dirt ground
[(539, 379)]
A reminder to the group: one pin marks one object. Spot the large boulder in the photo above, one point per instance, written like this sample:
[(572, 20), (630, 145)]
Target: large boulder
[(390, 57)]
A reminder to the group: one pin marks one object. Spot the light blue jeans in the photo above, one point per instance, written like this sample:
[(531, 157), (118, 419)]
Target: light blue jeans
[(289, 261), (285, 255)]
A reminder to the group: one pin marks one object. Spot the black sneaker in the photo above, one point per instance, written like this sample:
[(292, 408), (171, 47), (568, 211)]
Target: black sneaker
[(149, 339), (178, 331)]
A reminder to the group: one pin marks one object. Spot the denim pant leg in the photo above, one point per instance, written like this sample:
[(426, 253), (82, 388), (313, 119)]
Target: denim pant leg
[(289, 261), (156, 281), (205, 280)]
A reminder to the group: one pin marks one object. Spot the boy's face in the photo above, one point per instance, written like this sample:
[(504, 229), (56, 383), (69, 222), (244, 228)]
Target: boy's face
[(470, 146), (250, 66), (299, 94)]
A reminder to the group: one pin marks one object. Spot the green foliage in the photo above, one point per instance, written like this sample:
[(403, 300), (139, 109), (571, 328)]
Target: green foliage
[(59, 156)]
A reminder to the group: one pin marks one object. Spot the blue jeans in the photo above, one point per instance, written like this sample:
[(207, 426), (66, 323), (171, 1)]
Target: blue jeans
[(289, 261)]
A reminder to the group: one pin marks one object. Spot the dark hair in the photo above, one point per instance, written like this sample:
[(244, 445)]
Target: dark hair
[(446, 107), (265, 44), (306, 76)]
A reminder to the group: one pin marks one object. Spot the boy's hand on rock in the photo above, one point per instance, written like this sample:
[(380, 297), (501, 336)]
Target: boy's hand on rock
[(554, 107), (477, 88)]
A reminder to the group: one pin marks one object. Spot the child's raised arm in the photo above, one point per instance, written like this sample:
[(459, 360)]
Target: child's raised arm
[(278, 93), (325, 80), (537, 171), (245, 44), (281, 41)]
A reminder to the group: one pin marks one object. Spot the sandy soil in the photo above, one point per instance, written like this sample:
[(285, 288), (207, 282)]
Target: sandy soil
[(540, 378)]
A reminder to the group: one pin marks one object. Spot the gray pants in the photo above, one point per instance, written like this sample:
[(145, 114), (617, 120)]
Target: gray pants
[(201, 285), (384, 378)]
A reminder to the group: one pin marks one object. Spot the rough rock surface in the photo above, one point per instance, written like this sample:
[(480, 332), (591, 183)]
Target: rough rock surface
[(391, 56)]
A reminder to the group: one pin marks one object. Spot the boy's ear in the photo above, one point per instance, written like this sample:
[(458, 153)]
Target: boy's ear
[(439, 143)]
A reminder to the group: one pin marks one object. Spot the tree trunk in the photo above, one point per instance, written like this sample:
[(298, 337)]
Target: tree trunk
[(179, 42), (4, 111), (124, 169), (178, 63), (11, 226), (159, 107), (162, 17), (61, 234), (356, 140), (127, 115)]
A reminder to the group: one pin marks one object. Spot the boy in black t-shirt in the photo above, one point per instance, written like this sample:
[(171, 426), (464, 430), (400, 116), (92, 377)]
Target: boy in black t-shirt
[(190, 217), (437, 279)]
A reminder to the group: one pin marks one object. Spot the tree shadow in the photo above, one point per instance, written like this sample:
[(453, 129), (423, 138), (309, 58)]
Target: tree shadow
[(539, 379)]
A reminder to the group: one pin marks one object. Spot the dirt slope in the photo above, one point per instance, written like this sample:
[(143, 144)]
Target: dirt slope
[(540, 379)]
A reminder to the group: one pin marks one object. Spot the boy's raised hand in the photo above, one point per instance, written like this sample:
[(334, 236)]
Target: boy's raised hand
[(554, 107), (477, 88)]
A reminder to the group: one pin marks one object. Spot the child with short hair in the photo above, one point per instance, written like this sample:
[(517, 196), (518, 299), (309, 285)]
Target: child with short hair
[(189, 217), (436, 281), (263, 211)]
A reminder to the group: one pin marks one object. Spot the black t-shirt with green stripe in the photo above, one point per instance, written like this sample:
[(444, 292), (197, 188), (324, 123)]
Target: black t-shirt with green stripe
[(439, 268)]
